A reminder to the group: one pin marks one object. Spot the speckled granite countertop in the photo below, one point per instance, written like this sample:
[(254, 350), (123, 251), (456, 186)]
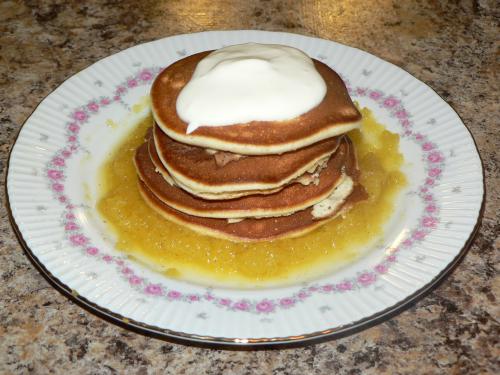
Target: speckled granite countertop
[(452, 48)]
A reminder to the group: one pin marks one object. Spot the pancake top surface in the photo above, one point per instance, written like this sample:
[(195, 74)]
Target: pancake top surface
[(195, 163), (335, 115)]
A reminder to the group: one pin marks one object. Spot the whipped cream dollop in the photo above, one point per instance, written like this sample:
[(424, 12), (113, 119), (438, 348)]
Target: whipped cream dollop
[(250, 82)]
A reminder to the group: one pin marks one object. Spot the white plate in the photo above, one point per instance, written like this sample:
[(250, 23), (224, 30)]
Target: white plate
[(52, 192)]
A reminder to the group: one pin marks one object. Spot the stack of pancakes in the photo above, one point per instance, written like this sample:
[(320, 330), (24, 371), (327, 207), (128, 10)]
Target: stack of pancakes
[(255, 181)]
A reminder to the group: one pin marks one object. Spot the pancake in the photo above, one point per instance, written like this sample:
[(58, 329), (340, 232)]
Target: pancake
[(160, 168), (197, 169), (249, 230), (334, 116), (292, 198)]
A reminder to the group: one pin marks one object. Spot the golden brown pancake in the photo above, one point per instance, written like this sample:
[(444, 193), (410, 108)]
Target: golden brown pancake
[(249, 230), (292, 198), (160, 168), (335, 115), (195, 168)]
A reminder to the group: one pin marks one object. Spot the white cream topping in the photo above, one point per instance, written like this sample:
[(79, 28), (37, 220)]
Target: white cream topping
[(250, 82)]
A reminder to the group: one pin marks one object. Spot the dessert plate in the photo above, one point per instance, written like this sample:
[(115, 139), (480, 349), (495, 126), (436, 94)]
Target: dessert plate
[(52, 192)]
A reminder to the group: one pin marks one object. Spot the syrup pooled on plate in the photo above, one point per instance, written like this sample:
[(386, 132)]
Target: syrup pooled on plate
[(181, 253)]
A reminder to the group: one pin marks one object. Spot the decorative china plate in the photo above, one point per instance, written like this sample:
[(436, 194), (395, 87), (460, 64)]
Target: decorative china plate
[(52, 192)]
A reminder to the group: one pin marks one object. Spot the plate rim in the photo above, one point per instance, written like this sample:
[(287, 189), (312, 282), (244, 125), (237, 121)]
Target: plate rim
[(253, 343), (247, 343)]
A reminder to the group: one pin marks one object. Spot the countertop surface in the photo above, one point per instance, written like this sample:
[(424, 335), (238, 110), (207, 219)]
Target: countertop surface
[(451, 47)]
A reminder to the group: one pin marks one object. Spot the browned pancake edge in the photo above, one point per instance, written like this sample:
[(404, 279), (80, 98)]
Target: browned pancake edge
[(217, 195), (248, 230), (195, 167)]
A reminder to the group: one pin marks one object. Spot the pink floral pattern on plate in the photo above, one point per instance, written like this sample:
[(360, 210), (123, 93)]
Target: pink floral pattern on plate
[(432, 157)]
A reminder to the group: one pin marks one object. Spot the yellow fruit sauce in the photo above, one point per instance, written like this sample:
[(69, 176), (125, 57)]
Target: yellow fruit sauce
[(183, 254)]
